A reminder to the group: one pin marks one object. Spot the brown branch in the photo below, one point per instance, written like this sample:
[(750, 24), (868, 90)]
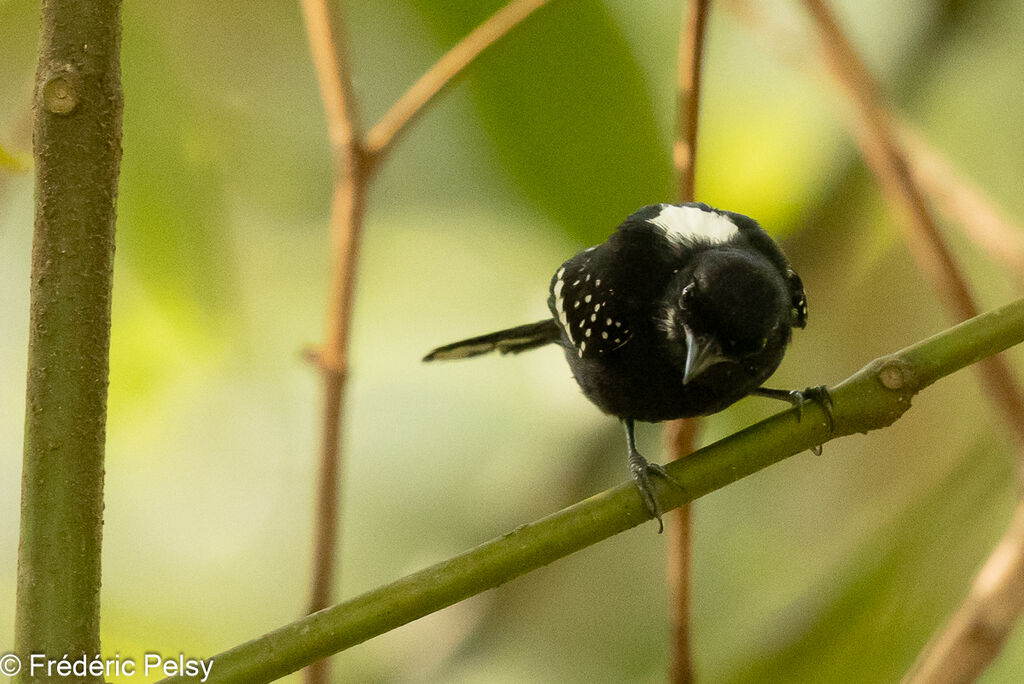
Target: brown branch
[(976, 633), (952, 195), (974, 637), (906, 176), (690, 61), (354, 162), (386, 132), (326, 44), (681, 434), (889, 163), (681, 438), (326, 40)]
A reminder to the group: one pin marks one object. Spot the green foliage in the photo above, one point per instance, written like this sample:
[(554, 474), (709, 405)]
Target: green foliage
[(571, 80)]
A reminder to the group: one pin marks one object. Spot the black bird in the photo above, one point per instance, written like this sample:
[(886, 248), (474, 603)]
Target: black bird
[(683, 311)]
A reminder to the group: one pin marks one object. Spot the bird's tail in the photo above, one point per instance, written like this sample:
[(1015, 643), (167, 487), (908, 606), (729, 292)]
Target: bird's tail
[(511, 341)]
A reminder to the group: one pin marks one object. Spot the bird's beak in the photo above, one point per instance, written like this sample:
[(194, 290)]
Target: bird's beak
[(701, 353)]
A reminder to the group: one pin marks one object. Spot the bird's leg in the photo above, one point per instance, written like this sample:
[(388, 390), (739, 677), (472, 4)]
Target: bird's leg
[(640, 469), (797, 398)]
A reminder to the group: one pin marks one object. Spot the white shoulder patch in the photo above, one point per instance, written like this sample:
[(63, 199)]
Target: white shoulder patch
[(692, 223)]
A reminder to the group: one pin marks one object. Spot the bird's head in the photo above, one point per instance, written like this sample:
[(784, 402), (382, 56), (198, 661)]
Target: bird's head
[(732, 307)]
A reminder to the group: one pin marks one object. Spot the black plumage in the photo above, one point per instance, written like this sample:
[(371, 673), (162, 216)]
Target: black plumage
[(683, 311)]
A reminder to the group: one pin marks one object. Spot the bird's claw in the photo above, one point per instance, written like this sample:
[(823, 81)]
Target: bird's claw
[(821, 395), (640, 469)]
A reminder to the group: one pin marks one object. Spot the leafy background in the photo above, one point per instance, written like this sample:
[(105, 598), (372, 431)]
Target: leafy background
[(832, 568)]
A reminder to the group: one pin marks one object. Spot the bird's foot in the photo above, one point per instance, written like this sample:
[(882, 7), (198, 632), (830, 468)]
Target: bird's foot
[(797, 398), (819, 394), (640, 469)]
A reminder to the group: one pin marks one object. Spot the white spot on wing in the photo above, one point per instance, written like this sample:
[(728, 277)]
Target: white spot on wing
[(692, 223), (560, 304)]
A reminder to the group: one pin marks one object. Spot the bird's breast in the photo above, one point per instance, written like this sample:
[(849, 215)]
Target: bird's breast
[(643, 382)]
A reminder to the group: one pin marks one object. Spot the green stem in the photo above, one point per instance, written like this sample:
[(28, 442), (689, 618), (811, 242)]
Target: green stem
[(77, 147), (870, 399)]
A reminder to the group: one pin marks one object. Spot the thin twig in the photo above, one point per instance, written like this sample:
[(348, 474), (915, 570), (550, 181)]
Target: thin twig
[(324, 27), (354, 162), (385, 133), (681, 434), (688, 81), (953, 196), (920, 170), (326, 40), (889, 163), (954, 645), (873, 398), (886, 158), (681, 438)]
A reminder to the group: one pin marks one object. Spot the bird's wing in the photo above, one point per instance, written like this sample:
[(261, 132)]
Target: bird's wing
[(606, 295), (592, 305)]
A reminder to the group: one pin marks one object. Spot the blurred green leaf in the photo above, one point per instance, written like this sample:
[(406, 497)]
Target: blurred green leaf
[(172, 208), (568, 111)]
